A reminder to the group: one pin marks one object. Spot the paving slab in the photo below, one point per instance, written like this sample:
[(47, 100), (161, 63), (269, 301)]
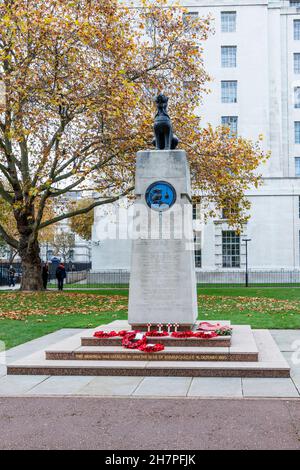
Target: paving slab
[(269, 387), (111, 386), (2, 370), (163, 387), (268, 349), (285, 338), (293, 359), (216, 387), (72, 342), (59, 386), (296, 381), (38, 344), (18, 385), (243, 339)]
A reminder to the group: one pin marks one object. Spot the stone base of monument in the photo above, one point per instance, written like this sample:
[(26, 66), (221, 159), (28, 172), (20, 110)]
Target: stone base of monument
[(248, 353), (219, 341)]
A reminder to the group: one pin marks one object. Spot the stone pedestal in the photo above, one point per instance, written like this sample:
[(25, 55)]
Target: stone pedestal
[(163, 280)]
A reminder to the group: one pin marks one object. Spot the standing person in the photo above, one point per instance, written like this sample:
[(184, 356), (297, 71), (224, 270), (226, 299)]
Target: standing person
[(45, 275), (61, 276), (11, 276)]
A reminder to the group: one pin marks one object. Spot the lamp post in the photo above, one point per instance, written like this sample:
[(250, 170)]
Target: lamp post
[(246, 240)]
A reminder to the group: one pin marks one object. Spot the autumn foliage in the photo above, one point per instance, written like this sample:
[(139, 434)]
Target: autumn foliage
[(79, 79)]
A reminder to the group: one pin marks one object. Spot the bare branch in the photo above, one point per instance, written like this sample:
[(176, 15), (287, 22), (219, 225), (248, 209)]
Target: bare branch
[(86, 209), (53, 141), (8, 239), (5, 194)]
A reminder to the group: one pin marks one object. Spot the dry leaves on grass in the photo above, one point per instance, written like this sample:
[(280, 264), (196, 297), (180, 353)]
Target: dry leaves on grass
[(254, 304), (19, 305)]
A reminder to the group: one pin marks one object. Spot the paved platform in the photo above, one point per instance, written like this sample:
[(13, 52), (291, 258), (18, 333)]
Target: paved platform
[(140, 386), (250, 354)]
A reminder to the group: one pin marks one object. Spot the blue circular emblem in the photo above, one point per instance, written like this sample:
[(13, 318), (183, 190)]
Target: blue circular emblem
[(160, 196)]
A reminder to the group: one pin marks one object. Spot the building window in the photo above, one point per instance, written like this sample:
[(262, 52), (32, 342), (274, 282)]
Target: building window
[(232, 123), (299, 205), (297, 97), (229, 209), (229, 91), (196, 208), (297, 30), (228, 56), (294, 3), (190, 18), (297, 132), (297, 62), (230, 249), (150, 26), (198, 250), (297, 166), (228, 21)]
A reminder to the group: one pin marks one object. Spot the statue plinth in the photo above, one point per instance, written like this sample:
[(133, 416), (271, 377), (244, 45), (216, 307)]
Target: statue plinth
[(163, 280)]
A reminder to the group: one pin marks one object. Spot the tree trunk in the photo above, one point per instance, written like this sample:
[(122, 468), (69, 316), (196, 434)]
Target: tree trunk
[(31, 265)]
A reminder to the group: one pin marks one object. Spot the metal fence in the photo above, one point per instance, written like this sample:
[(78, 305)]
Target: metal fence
[(120, 278), (4, 276), (82, 277), (76, 272), (255, 278), (98, 279)]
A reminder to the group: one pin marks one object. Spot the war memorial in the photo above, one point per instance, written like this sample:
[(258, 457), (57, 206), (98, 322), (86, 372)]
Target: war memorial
[(163, 336)]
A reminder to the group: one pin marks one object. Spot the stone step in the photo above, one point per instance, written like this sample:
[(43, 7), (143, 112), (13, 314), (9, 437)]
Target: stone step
[(118, 353), (220, 341), (270, 363), (159, 369), (242, 348)]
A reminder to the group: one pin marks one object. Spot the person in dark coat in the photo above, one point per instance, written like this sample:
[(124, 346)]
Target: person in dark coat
[(45, 275), (61, 276), (11, 275)]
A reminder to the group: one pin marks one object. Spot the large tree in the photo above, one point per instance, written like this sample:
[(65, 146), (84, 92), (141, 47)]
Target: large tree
[(9, 226), (79, 79)]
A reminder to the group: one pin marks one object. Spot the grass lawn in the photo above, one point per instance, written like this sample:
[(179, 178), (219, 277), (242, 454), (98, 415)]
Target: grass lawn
[(25, 316)]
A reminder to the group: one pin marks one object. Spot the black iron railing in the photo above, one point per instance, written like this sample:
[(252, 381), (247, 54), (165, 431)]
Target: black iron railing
[(120, 278)]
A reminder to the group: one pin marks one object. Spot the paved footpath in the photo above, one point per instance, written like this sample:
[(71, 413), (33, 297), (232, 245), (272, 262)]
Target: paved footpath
[(157, 424)]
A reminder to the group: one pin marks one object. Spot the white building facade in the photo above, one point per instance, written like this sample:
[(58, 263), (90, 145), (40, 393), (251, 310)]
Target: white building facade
[(254, 61)]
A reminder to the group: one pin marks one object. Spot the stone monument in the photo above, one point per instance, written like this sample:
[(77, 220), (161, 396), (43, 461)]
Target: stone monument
[(163, 280)]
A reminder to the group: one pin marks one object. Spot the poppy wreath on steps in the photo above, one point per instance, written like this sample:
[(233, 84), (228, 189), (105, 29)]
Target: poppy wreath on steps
[(182, 334), (151, 348), (129, 341), (157, 333), (105, 334), (205, 334), (224, 330), (197, 334), (110, 334)]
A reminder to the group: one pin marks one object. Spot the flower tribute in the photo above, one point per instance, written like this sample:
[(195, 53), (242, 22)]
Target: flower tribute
[(131, 341)]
